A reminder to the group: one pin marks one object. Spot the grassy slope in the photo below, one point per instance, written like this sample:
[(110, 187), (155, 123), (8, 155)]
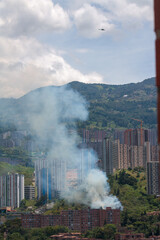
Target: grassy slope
[(26, 171)]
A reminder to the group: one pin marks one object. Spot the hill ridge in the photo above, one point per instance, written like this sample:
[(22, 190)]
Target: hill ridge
[(110, 106)]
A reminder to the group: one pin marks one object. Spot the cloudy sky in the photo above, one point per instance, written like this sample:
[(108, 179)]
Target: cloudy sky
[(53, 42)]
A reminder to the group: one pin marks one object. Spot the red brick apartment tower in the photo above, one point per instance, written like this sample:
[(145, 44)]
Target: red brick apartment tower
[(157, 31)]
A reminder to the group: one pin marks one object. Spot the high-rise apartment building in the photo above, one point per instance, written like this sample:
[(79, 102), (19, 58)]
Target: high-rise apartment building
[(147, 152), (124, 160), (93, 139), (50, 177), (11, 190), (152, 165), (152, 156), (119, 134), (152, 135), (136, 156), (154, 153), (111, 155), (134, 136), (92, 136), (55, 176), (124, 156), (153, 177)]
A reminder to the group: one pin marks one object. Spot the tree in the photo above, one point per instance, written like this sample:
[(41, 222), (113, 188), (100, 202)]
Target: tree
[(125, 178), (124, 217), (41, 201), (15, 236), (109, 231), (1, 237), (12, 226), (98, 233), (23, 204)]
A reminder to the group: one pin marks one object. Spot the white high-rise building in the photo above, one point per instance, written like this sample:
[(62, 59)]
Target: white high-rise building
[(50, 177), (11, 190), (54, 176)]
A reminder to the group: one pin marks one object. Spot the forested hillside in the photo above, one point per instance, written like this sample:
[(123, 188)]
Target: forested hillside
[(110, 106), (114, 106)]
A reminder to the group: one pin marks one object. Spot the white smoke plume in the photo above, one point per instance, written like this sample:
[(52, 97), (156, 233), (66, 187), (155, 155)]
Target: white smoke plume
[(94, 192), (50, 113)]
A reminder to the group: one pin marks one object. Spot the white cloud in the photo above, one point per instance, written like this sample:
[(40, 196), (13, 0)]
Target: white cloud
[(25, 64), (130, 12), (29, 17), (111, 14), (89, 20), (25, 18), (82, 50)]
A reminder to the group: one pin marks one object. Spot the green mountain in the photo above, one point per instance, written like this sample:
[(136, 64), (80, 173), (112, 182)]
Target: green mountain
[(110, 106), (114, 106)]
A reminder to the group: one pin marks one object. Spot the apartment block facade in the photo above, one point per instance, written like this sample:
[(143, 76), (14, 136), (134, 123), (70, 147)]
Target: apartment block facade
[(11, 190), (124, 156), (111, 155), (153, 177), (78, 220), (29, 192), (55, 176)]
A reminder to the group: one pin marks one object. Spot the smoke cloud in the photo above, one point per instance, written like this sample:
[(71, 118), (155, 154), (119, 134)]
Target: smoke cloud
[(94, 192), (51, 114)]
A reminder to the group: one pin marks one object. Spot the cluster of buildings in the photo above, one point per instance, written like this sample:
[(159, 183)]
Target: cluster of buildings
[(19, 138), (122, 149), (134, 149), (76, 220), (56, 175), (126, 149)]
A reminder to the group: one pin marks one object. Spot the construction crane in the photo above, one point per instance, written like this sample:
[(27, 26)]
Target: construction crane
[(141, 129), (157, 46)]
